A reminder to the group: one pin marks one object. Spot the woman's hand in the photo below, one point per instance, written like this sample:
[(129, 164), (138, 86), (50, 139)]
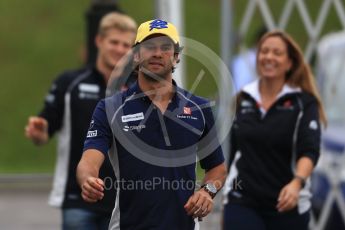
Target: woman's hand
[(288, 196)]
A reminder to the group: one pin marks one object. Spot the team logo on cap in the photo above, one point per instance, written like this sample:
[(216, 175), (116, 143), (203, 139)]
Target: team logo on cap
[(158, 24)]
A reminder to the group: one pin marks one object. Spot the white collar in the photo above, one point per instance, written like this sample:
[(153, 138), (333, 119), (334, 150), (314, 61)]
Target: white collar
[(253, 90)]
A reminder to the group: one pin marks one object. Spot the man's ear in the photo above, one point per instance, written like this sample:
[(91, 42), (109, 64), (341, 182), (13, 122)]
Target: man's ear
[(136, 57), (176, 59), (98, 40)]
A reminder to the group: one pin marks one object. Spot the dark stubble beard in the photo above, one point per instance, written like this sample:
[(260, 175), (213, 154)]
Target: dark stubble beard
[(153, 77)]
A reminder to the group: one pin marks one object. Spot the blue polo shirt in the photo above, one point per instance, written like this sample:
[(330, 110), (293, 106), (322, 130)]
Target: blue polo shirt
[(152, 192)]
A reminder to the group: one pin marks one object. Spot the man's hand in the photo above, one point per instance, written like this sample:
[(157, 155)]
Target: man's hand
[(200, 204), (87, 175), (92, 189), (288, 196), (37, 130)]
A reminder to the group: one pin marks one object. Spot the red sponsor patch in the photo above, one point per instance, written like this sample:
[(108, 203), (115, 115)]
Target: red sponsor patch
[(187, 110), (287, 104)]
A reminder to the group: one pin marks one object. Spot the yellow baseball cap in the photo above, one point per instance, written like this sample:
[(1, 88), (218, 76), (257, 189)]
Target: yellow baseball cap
[(157, 26)]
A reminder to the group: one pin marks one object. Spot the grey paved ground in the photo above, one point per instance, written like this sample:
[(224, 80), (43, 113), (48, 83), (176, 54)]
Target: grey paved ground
[(23, 205)]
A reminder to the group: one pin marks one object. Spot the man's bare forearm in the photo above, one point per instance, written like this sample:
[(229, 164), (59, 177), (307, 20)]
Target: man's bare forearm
[(89, 165), (216, 176), (92, 187)]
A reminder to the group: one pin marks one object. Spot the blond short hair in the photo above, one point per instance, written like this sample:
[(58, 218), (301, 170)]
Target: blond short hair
[(118, 21)]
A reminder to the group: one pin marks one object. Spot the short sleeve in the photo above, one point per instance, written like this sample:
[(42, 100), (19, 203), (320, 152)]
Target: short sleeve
[(210, 138), (99, 135)]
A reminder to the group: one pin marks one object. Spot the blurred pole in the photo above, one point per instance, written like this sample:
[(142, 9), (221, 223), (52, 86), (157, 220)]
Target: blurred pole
[(97, 10), (227, 42), (227, 32), (173, 11)]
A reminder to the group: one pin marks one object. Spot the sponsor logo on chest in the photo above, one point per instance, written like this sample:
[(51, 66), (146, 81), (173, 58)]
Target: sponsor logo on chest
[(187, 114), (88, 91), (132, 117), (286, 105), (127, 128), (247, 107)]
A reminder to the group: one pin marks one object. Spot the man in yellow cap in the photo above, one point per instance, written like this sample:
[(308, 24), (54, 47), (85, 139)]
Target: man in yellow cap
[(152, 134)]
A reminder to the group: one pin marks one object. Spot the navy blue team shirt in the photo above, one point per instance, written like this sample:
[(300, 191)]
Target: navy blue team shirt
[(150, 196)]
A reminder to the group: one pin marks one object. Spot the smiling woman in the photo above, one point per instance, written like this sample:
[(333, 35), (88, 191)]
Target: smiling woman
[(281, 59), (275, 141), (273, 59)]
